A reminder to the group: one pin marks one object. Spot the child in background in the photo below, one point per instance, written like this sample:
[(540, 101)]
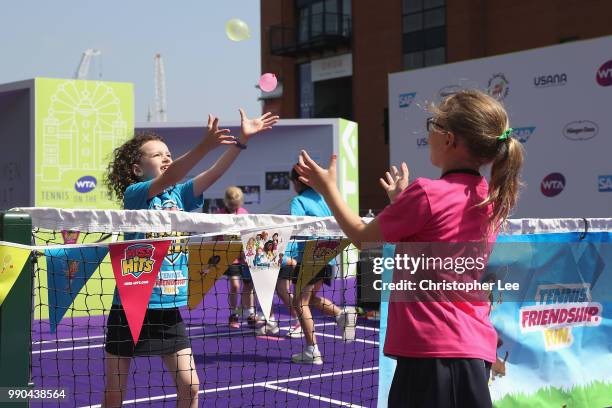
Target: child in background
[(444, 350), (143, 175), (238, 270)]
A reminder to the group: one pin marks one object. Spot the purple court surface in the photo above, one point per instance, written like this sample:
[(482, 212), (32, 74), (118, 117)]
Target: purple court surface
[(235, 367)]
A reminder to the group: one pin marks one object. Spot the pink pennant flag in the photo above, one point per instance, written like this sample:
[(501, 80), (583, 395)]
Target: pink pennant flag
[(136, 266)]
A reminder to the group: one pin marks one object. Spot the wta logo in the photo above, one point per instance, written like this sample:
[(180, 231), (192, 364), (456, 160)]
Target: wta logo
[(553, 184), (604, 74), (138, 259), (558, 309)]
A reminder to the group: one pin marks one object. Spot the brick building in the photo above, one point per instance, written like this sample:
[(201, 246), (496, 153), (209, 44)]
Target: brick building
[(333, 57)]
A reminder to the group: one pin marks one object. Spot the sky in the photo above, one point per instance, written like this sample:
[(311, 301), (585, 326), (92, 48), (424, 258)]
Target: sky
[(205, 71)]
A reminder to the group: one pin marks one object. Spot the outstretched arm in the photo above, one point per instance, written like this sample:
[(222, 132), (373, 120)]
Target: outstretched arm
[(181, 166), (324, 181), (249, 127)]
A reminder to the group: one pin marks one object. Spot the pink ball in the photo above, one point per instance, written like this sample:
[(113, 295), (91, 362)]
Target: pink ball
[(268, 82)]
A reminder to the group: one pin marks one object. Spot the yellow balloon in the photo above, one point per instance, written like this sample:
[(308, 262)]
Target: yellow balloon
[(237, 30)]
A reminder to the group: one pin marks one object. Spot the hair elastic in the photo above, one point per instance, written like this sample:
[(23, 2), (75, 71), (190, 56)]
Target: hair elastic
[(506, 134)]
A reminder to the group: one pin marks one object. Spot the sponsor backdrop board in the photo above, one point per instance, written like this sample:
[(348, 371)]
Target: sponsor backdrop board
[(558, 99), (261, 170)]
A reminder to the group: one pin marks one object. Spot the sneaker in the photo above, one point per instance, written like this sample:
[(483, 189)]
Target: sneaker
[(295, 332), (253, 319), (307, 358), (234, 321), (271, 327), (347, 321)]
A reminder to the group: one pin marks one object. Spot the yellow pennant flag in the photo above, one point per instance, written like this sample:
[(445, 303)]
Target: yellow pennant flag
[(12, 260), (317, 254), (207, 263)]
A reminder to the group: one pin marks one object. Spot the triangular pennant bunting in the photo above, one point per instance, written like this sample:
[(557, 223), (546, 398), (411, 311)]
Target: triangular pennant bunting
[(207, 263), (136, 266), (12, 260), (264, 251), (68, 270), (317, 254)]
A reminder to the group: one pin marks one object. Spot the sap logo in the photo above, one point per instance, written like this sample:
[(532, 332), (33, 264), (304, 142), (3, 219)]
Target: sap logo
[(523, 134), (85, 184), (422, 143), (545, 81), (498, 86), (605, 183), (406, 99), (553, 184), (580, 130), (604, 74)]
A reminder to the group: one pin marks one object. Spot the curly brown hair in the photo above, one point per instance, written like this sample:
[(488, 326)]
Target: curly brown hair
[(119, 174)]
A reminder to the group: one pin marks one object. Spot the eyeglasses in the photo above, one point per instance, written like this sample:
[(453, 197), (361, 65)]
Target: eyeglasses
[(430, 123)]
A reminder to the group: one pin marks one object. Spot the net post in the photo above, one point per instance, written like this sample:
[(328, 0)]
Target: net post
[(16, 311)]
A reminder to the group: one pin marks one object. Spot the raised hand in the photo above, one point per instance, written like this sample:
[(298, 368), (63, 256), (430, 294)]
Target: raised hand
[(315, 176), (215, 136), (249, 127), (396, 181)]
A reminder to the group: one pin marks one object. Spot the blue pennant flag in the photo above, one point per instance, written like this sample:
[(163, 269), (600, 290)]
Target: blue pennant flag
[(68, 270)]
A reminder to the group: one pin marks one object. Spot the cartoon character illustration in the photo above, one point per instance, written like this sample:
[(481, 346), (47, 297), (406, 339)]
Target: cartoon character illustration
[(269, 250), (275, 239), (280, 259), (250, 247)]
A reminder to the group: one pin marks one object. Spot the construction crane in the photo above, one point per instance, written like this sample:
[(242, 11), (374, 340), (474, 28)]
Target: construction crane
[(160, 89), (83, 68)]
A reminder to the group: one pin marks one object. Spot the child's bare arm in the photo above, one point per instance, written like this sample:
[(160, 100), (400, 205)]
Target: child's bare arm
[(249, 127), (181, 166)]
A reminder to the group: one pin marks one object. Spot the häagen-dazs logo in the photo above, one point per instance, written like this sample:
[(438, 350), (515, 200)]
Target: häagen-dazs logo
[(406, 99), (548, 80), (522, 134), (85, 184), (580, 130), (498, 86), (553, 184), (604, 74), (448, 91), (605, 183)]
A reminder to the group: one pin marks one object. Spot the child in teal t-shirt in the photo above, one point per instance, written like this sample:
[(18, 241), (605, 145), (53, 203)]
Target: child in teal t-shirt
[(142, 175)]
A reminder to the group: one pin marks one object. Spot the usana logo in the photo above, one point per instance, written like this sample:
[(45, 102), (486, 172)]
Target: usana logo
[(498, 86), (548, 80)]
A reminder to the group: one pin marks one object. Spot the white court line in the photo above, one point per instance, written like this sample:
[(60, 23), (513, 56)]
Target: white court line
[(95, 337), (312, 396), (92, 346), (193, 337), (252, 385)]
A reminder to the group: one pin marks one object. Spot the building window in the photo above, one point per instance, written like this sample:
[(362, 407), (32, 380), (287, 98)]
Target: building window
[(424, 33), (318, 18)]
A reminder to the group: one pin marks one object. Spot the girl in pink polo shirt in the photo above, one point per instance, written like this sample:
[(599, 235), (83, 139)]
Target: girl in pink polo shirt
[(444, 349)]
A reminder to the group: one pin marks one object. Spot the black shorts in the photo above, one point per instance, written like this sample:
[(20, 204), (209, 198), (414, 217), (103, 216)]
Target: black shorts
[(440, 383), (163, 332), (239, 270), (326, 274)]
